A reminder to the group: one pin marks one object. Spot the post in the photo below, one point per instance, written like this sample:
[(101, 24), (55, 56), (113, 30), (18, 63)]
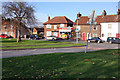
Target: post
[(77, 32), (91, 23)]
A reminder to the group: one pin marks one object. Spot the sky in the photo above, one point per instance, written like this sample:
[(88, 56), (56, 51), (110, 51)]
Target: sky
[(70, 9)]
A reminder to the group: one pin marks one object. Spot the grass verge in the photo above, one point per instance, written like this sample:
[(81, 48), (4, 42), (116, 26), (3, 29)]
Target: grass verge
[(96, 64)]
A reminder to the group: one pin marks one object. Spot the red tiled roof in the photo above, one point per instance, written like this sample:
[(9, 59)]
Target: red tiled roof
[(59, 19), (100, 19)]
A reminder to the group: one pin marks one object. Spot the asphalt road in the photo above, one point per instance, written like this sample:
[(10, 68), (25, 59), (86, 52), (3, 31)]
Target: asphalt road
[(91, 47)]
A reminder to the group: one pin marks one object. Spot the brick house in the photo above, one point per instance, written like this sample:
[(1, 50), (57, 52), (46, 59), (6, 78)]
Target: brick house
[(8, 28), (59, 26), (84, 27), (38, 30)]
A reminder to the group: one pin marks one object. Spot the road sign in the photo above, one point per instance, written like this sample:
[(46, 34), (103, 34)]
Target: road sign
[(92, 15)]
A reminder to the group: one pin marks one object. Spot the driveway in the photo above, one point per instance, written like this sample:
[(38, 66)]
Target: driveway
[(91, 47)]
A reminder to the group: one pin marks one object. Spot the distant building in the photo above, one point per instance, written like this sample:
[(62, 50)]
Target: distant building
[(38, 31), (9, 28), (106, 26), (59, 26)]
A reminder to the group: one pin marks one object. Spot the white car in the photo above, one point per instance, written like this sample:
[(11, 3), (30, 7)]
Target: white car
[(51, 38)]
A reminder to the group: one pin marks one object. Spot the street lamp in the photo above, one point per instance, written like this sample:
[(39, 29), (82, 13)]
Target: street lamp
[(92, 17), (77, 30)]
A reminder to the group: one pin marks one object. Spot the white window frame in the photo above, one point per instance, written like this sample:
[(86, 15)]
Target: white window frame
[(48, 26), (55, 34), (109, 26), (11, 26), (94, 35), (11, 33), (48, 33), (5, 32), (55, 27), (62, 25)]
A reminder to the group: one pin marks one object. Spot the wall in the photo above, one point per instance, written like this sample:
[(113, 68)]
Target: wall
[(105, 30)]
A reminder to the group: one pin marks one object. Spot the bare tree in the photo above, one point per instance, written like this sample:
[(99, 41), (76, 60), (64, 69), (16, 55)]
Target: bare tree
[(20, 12)]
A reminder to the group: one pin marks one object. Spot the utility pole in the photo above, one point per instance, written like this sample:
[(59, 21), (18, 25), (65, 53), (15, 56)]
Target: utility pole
[(77, 30), (92, 17)]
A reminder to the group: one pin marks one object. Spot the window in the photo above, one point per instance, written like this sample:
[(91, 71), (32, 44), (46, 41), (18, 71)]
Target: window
[(48, 33), (109, 34), (102, 35), (78, 28), (55, 34), (48, 26), (109, 26), (5, 32), (55, 27), (11, 33), (5, 27), (11, 26), (94, 34), (61, 25), (94, 27)]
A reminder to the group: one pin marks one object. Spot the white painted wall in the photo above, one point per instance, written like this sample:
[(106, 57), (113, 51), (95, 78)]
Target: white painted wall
[(113, 30)]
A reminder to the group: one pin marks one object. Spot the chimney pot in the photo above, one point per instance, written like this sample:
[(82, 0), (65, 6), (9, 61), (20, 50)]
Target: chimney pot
[(78, 15), (48, 18), (104, 13), (118, 12)]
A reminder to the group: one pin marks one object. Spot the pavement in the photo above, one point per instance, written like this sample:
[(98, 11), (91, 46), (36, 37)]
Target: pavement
[(91, 47)]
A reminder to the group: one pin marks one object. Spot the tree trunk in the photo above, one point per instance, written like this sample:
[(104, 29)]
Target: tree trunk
[(18, 34)]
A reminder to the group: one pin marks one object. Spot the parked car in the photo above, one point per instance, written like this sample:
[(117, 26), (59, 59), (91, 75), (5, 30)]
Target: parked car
[(41, 36), (35, 37), (95, 39), (113, 40), (52, 38), (3, 36)]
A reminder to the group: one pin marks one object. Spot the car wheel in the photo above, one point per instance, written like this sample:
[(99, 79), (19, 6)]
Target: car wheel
[(53, 39), (98, 42), (110, 42)]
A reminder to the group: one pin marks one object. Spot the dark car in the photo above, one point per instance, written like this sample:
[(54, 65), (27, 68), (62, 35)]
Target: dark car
[(113, 40), (35, 37), (95, 39), (41, 36)]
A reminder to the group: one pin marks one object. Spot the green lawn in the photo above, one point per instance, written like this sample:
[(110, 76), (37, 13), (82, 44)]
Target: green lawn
[(12, 44), (96, 64)]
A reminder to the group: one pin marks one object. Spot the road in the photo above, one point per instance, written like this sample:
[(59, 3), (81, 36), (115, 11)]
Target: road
[(91, 47)]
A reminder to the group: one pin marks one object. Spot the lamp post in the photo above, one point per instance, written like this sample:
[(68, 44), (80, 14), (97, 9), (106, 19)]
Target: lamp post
[(77, 30), (92, 17)]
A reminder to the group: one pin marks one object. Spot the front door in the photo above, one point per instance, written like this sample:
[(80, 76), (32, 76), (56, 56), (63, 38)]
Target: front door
[(83, 36)]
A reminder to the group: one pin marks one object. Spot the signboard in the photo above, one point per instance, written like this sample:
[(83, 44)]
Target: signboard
[(65, 29)]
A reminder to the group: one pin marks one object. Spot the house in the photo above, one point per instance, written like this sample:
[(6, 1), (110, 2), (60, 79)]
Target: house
[(106, 26), (59, 26), (38, 31), (110, 25), (83, 28), (9, 28)]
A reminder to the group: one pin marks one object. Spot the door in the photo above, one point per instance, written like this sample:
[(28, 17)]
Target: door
[(83, 36)]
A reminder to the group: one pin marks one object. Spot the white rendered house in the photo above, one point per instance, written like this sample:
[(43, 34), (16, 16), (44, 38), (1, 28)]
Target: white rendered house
[(110, 29)]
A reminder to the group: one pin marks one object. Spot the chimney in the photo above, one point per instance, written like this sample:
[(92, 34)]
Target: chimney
[(104, 13), (78, 15), (118, 12), (48, 18)]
